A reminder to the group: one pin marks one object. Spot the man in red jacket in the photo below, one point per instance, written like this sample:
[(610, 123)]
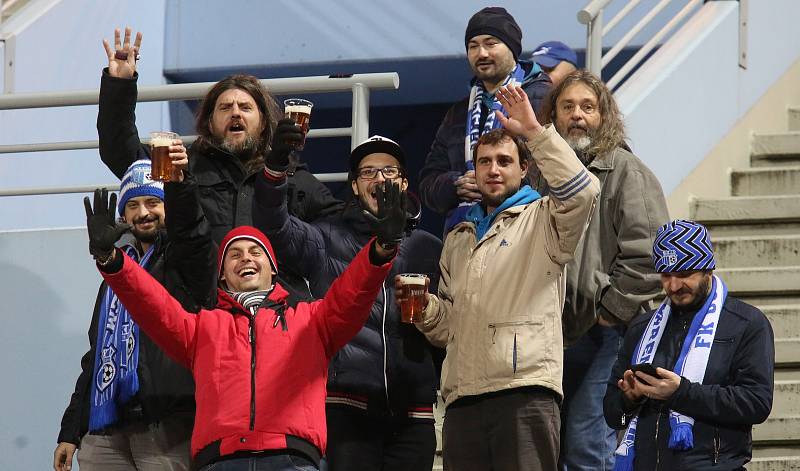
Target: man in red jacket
[(259, 360)]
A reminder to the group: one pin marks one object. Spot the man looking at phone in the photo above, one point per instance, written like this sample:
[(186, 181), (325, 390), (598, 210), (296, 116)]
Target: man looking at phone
[(713, 357)]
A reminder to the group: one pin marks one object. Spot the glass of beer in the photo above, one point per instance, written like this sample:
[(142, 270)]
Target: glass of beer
[(299, 110), (162, 169), (412, 299)]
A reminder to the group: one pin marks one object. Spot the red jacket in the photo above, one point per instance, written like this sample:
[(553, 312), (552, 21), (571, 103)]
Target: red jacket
[(259, 389)]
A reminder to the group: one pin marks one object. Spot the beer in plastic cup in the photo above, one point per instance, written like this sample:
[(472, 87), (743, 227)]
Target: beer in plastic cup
[(299, 110), (162, 168), (412, 298)]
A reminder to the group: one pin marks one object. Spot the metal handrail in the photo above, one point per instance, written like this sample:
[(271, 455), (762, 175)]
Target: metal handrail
[(358, 84), (592, 16)]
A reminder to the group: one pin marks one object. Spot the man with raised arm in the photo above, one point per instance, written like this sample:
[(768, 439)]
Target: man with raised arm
[(498, 308), (133, 407), (382, 384), (259, 358)]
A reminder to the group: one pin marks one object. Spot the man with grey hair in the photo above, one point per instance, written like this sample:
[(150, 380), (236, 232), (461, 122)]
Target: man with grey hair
[(611, 279)]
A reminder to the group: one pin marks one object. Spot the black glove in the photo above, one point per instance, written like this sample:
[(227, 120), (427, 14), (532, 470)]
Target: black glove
[(287, 136), (390, 223), (103, 230)]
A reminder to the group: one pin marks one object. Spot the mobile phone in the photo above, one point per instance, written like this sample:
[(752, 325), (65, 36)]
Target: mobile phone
[(645, 368)]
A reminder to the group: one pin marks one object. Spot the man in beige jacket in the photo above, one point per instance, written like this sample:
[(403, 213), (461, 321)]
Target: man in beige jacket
[(501, 292)]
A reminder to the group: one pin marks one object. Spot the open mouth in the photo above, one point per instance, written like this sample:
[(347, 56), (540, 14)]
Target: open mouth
[(236, 127), (247, 273)]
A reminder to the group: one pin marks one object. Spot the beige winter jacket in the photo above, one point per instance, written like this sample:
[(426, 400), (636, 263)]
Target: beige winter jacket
[(498, 311)]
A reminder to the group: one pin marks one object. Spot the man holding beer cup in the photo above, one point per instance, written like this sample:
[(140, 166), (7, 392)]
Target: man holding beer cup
[(381, 385), (500, 296)]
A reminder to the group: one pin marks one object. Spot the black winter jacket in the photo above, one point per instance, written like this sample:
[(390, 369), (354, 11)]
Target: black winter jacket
[(226, 187), (186, 265), (736, 392), (445, 161), (385, 352)]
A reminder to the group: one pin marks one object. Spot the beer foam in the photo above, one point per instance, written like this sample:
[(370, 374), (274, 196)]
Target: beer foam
[(161, 141), (298, 109), (412, 280)]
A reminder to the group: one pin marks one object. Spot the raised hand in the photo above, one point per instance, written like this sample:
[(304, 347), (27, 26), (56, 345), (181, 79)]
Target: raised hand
[(521, 119), (103, 230), (389, 224), (180, 159), (122, 58), (286, 137)]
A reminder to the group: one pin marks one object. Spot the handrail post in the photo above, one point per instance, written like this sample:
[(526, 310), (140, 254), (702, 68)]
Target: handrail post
[(594, 45), (360, 115)]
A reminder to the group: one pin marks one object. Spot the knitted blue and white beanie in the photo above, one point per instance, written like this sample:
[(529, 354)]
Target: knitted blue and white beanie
[(682, 245), (137, 182)]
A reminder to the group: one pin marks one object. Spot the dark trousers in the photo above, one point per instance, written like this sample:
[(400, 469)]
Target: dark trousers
[(513, 430), (359, 442)]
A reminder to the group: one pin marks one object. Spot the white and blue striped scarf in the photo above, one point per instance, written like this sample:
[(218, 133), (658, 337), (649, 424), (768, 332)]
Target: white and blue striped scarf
[(116, 356), (691, 364)]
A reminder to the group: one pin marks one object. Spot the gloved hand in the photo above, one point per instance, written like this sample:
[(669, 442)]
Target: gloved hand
[(287, 135), (390, 223), (103, 230)]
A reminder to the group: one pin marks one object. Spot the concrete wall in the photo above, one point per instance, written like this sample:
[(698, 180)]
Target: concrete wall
[(56, 45), (692, 92), (48, 288)]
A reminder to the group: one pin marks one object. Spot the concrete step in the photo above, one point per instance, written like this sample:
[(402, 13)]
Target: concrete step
[(745, 228), (763, 251), (779, 143), (766, 181), (794, 118), (787, 352), (778, 429), (786, 398), (762, 280), (785, 320), (776, 463), (740, 210), (787, 374)]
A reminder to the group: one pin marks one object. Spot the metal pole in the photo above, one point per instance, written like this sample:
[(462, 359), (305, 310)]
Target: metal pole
[(360, 115), (594, 45)]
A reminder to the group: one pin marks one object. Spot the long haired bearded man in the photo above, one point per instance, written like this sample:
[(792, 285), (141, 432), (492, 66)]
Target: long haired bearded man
[(611, 280)]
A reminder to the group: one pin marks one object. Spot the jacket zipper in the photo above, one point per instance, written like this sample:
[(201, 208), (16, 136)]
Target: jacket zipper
[(252, 335), (658, 449), (716, 445), (385, 349)]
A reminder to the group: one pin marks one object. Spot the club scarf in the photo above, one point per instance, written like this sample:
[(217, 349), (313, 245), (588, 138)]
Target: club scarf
[(477, 96), (116, 356), (691, 364)]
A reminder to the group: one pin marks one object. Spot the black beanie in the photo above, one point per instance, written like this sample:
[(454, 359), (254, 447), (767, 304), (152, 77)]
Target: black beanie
[(497, 22)]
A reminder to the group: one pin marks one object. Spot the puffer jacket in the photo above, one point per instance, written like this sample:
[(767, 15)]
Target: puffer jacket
[(260, 377), (445, 161), (735, 394), (498, 310), (388, 365), (612, 271), (185, 264)]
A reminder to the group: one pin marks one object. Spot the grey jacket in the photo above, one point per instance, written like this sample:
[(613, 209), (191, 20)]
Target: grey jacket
[(612, 273)]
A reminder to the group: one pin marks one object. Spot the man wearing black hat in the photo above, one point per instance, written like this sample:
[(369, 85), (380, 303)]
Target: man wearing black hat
[(381, 385), (494, 44)]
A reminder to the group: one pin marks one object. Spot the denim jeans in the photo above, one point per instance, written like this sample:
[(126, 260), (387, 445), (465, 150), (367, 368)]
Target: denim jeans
[(263, 463), (587, 443)]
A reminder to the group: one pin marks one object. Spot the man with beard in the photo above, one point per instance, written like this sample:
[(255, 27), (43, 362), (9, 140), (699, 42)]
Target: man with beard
[(234, 124), (694, 375), (382, 384), (132, 407), (498, 309), (611, 280), (494, 43)]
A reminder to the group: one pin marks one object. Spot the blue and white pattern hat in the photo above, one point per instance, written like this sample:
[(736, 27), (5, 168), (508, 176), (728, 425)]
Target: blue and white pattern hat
[(137, 182), (682, 245)]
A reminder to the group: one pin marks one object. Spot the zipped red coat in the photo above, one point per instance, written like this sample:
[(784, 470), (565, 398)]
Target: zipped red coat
[(260, 380)]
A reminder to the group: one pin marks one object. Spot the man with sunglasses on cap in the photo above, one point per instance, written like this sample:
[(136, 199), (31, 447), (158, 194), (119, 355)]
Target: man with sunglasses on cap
[(493, 40), (381, 385), (259, 358), (696, 374)]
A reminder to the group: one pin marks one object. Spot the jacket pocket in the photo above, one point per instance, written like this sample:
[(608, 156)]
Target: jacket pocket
[(511, 349)]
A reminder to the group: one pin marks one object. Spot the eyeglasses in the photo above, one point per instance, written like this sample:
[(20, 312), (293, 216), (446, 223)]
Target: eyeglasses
[(388, 172)]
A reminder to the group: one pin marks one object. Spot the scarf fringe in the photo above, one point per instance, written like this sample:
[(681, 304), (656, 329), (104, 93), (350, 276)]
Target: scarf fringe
[(681, 437)]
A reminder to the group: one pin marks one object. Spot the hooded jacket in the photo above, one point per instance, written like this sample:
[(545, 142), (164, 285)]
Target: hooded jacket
[(445, 161), (260, 377), (388, 365), (185, 265)]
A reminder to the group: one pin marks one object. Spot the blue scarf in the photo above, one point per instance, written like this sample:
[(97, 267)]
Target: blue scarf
[(691, 364), (116, 356), (477, 215)]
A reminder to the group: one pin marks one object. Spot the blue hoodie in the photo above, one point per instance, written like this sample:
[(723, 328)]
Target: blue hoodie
[(477, 215)]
